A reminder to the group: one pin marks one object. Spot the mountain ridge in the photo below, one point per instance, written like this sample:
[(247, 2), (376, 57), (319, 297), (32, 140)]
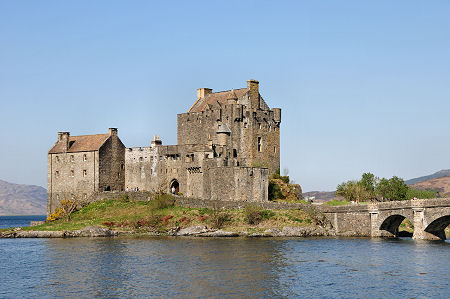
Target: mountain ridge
[(22, 199), (438, 174)]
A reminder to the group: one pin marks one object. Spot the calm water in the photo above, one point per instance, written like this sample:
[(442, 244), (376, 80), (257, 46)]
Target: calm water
[(190, 267), (17, 221)]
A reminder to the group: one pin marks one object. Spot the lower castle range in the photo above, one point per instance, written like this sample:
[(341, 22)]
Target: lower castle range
[(228, 146)]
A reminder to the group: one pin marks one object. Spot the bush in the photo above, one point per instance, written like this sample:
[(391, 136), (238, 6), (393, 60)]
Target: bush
[(163, 201), (275, 191), (66, 208), (254, 214), (219, 218), (421, 194)]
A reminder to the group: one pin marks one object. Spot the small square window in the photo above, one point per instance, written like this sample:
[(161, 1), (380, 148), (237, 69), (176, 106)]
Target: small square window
[(84, 172), (72, 158), (57, 173), (85, 157), (57, 158), (72, 173)]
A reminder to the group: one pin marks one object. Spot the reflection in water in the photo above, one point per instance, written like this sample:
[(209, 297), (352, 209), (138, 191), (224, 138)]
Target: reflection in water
[(191, 267)]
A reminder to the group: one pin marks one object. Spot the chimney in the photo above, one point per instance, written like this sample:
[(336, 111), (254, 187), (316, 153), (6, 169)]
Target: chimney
[(112, 131), (253, 87), (203, 92), (156, 141), (64, 138)]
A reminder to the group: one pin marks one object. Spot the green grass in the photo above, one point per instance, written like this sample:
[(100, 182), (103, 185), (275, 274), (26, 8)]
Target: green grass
[(160, 216)]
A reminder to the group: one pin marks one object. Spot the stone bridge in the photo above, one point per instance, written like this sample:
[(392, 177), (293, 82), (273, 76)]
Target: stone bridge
[(429, 216)]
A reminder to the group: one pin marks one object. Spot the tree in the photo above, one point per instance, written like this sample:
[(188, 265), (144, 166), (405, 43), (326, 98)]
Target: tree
[(392, 189), (368, 181)]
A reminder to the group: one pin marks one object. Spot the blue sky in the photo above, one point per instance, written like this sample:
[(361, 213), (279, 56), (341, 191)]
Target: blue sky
[(364, 86)]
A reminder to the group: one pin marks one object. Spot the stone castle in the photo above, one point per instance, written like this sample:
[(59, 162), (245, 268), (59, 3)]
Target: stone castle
[(228, 146)]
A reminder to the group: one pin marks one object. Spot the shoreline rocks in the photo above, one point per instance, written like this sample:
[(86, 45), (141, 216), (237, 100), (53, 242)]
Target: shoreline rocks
[(193, 231), (89, 231)]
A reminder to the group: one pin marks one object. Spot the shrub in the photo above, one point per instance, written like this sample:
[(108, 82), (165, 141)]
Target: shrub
[(109, 223), (275, 191), (166, 219), (254, 214), (124, 198), (202, 218), (66, 208), (422, 194), (163, 201), (219, 218)]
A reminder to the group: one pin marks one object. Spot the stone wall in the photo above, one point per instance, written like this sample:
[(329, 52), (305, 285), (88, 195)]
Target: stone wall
[(254, 139), (112, 164), (71, 176)]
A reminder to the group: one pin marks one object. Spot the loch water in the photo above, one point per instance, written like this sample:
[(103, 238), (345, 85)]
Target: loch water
[(170, 267), (19, 221)]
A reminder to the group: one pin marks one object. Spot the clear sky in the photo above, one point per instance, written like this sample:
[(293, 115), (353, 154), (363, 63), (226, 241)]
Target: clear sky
[(364, 86)]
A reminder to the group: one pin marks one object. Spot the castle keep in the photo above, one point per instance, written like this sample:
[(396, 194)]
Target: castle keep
[(228, 145)]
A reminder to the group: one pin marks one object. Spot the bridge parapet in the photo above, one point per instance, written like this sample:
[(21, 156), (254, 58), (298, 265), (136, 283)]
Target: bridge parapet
[(429, 217)]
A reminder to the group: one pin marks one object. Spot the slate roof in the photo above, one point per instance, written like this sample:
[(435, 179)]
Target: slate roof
[(220, 97), (223, 128), (82, 143)]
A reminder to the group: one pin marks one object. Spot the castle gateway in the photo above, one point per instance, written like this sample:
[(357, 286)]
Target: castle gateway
[(228, 145)]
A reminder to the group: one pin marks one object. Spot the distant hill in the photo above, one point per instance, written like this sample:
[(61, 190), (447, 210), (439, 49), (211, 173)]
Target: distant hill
[(439, 174), (16, 199), (441, 184), (320, 196)]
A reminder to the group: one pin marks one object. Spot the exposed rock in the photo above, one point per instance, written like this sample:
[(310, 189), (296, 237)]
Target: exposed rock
[(173, 231), (275, 232), (299, 231), (219, 233), (193, 230), (36, 223), (92, 231), (39, 234)]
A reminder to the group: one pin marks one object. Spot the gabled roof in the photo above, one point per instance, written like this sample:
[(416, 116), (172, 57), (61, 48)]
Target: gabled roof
[(215, 98), (82, 143)]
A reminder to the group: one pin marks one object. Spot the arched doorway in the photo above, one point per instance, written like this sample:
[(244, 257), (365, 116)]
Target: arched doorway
[(174, 187)]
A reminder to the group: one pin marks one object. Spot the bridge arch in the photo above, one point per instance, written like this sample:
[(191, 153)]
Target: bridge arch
[(392, 223), (437, 227)]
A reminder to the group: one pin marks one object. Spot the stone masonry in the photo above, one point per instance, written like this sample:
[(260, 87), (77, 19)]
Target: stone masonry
[(228, 145)]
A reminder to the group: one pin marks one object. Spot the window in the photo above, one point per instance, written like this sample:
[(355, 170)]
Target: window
[(260, 126), (118, 175), (274, 149), (84, 172), (259, 144), (85, 196), (57, 196), (72, 158), (122, 166), (57, 173), (57, 158), (72, 174), (84, 157), (234, 153), (141, 159)]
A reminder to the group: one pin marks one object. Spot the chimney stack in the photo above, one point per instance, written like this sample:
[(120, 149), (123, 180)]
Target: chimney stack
[(64, 138), (253, 87), (156, 141), (112, 131), (203, 92)]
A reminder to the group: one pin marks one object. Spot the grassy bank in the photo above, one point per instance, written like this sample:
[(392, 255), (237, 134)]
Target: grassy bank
[(162, 214)]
